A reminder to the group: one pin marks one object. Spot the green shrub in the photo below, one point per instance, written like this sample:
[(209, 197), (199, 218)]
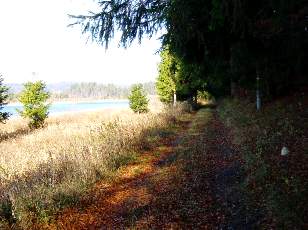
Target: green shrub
[(6, 211), (3, 98), (138, 101), (33, 98)]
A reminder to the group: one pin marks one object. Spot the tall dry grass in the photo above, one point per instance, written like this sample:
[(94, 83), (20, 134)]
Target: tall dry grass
[(45, 170)]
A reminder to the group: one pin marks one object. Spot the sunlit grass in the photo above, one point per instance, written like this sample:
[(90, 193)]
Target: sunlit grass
[(44, 170)]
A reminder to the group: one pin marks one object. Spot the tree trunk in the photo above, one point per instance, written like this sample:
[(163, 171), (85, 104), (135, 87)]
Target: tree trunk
[(233, 87), (258, 98), (174, 98), (193, 100)]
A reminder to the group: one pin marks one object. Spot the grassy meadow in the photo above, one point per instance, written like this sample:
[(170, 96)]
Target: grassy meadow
[(45, 170)]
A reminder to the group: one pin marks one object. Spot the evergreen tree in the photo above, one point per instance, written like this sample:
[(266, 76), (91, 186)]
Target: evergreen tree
[(220, 42), (33, 98), (133, 18), (138, 101), (3, 98), (166, 80)]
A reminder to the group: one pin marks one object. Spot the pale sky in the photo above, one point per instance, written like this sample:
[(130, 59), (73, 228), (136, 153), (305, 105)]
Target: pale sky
[(34, 38)]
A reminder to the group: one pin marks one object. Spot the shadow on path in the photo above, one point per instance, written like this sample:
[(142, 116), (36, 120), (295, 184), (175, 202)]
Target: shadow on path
[(189, 182)]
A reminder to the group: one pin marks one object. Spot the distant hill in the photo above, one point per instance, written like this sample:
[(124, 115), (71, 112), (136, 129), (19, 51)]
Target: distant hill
[(14, 88), (63, 90)]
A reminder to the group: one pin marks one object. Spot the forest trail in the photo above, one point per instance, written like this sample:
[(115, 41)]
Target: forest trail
[(190, 181)]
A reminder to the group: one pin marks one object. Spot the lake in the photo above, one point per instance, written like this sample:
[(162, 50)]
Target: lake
[(64, 107)]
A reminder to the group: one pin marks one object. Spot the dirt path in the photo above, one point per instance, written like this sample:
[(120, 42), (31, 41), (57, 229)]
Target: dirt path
[(188, 182)]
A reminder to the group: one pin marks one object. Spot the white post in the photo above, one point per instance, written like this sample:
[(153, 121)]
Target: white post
[(258, 93), (174, 98)]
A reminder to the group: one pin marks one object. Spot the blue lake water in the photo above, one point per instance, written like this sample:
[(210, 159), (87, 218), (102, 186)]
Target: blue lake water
[(72, 107)]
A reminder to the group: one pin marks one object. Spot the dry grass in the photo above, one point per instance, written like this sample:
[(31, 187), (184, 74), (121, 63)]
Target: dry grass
[(44, 170), (23, 150)]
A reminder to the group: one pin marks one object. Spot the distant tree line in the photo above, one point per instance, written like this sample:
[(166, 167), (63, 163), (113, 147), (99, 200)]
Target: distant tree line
[(94, 90), (85, 90), (102, 91)]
